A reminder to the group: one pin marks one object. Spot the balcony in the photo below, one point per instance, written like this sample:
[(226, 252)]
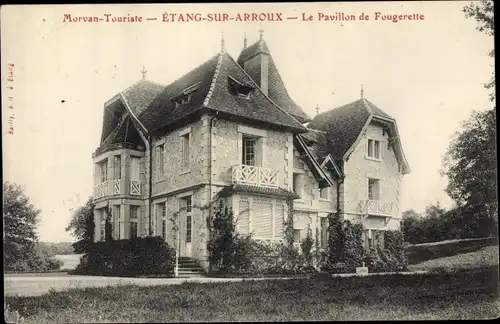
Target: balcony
[(118, 187), (101, 190), (376, 207), (259, 176)]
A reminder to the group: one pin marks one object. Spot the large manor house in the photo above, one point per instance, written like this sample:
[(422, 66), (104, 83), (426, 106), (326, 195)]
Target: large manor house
[(229, 130)]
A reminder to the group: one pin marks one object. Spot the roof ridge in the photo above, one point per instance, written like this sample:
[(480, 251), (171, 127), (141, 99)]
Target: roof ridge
[(127, 106), (368, 108), (339, 107), (214, 80), (120, 124), (265, 95)]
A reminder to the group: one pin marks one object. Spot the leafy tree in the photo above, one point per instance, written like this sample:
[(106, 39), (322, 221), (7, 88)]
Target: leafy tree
[(483, 13), (82, 226), (20, 217), (470, 164)]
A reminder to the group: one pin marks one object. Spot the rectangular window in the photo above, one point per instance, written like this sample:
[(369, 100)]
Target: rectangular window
[(249, 151), (373, 189), (185, 151), (374, 149), (377, 149), (133, 212), (133, 229), (187, 204), (296, 236), (297, 183), (323, 193), (164, 228), (103, 167), (116, 223), (324, 232), (161, 161), (102, 233), (188, 228), (117, 167), (134, 167)]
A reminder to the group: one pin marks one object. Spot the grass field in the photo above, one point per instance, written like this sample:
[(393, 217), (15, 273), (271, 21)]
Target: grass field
[(485, 257), (395, 297), (70, 261), (418, 253)]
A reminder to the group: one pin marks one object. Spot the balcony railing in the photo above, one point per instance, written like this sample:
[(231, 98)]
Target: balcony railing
[(376, 207), (101, 189), (118, 187), (259, 176), (135, 187)]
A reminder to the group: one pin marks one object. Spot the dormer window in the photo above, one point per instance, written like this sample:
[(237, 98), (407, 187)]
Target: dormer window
[(239, 89), (185, 95)]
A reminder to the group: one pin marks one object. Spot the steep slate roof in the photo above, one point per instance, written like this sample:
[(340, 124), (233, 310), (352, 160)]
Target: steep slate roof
[(276, 87), (342, 126), (212, 92), (124, 133), (138, 96)]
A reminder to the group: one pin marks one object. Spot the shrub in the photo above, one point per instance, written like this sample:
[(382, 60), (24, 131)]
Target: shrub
[(135, 257), (306, 247)]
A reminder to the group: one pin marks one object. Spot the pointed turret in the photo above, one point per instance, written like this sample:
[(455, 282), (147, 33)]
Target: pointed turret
[(258, 63)]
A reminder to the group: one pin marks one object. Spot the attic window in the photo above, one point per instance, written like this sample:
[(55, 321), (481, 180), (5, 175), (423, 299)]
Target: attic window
[(182, 99), (185, 95), (238, 88)]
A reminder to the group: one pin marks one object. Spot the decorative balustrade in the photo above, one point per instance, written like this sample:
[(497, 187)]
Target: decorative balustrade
[(376, 207), (135, 187), (101, 189), (259, 176), (118, 187)]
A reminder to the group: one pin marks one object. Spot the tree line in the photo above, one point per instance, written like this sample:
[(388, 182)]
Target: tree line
[(470, 165)]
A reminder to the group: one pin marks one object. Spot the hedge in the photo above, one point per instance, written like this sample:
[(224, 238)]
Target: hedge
[(147, 256)]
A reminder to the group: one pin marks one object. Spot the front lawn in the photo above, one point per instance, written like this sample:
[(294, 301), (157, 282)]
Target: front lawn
[(390, 297), (485, 257)]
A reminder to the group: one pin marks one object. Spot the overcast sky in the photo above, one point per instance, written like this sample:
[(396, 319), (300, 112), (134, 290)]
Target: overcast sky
[(427, 74)]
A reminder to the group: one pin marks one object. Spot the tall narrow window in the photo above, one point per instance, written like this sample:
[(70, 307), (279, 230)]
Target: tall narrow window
[(185, 151), (164, 228), (102, 234), (324, 232), (116, 216), (373, 189), (374, 149), (117, 167), (296, 236), (323, 193), (160, 161), (297, 183), (187, 202), (249, 151), (103, 167), (134, 167), (133, 221)]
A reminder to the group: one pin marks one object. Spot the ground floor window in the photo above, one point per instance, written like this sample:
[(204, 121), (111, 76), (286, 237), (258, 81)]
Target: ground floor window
[(324, 232), (133, 221), (296, 235), (164, 228)]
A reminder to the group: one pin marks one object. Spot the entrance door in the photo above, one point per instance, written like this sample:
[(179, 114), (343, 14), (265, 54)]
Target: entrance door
[(186, 235)]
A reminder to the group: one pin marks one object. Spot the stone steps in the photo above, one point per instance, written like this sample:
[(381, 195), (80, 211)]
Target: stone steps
[(189, 268)]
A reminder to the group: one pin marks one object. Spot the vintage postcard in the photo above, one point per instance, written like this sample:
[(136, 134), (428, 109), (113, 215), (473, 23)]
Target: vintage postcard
[(249, 162)]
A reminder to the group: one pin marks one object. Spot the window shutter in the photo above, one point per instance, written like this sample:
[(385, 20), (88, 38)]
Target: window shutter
[(279, 218), (243, 216), (262, 218)]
